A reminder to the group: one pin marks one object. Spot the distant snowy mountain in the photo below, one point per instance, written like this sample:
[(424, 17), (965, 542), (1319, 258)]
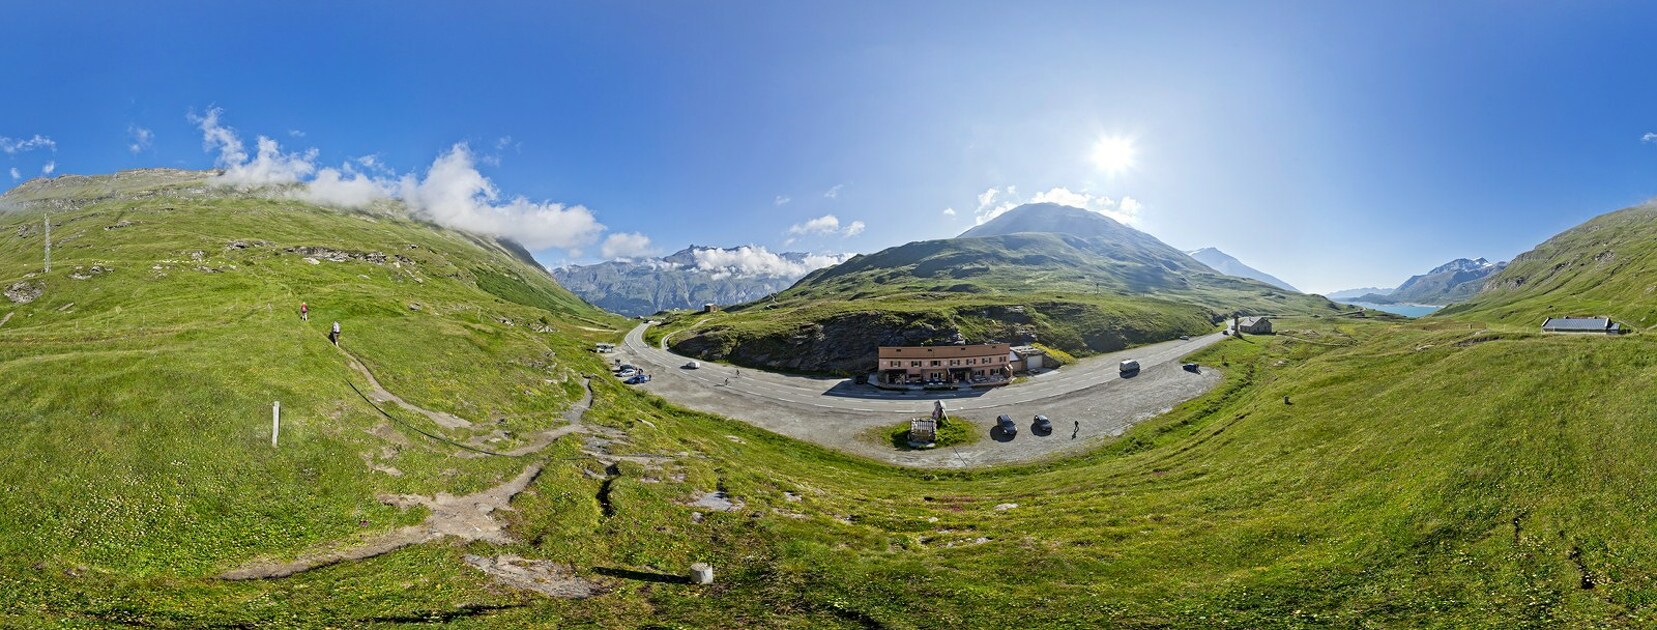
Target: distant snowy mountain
[(1448, 283), (689, 278), (1224, 263)]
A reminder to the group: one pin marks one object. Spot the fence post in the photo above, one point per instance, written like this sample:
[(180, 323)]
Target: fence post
[(275, 421)]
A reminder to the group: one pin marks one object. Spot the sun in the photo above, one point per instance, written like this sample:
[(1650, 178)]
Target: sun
[(1113, 154)]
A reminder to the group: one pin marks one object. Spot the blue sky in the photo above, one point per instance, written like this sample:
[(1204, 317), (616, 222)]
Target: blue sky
[(1331, 144)]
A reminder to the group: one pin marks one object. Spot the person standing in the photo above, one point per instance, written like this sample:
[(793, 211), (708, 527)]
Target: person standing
[(333, 335), (304, 312)]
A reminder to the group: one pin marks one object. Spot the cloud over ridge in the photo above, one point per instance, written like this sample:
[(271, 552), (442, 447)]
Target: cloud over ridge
[(452, 192)]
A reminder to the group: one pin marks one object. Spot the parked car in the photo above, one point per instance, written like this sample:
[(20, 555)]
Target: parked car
[(1042, 425), (1129, 366), (1192, 368), (637, 379), (625, 367), (693, 366), (627, 374), (862, 379), (1185, 337), (1008, 428)]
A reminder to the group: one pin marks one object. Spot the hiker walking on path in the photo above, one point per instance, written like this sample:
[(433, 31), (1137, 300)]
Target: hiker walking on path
[(1077, 431), (333, 335), (304, 312)]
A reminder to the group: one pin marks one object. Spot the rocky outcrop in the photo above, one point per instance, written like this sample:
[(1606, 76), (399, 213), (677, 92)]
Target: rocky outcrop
[(337, 255), (849, 343), (25, 291), (844, 343)]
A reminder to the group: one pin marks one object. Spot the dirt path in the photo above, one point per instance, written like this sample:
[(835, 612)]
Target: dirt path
[(572, 416), (470, 517), (381, 395), (7, 318)]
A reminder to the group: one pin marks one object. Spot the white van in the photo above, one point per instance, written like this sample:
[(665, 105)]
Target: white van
[(1128, 367)]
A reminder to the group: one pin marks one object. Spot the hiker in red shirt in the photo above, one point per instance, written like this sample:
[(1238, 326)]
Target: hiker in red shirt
[(304, 312)]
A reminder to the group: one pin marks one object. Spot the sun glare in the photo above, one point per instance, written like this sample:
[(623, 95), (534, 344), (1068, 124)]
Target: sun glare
[(1113, 154)]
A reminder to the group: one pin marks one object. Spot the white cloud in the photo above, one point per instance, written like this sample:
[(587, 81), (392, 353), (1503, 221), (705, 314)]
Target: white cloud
[(345, 188), (1129, 207), (296, 133), (949, 212), (625, 245), (751, 261), (1650, 136), (10, 146), (49, 168), (455, 194), (780, 200), (451, 193), (995, 202), (826, 224), (833, 193), (504, 142), (141, 138), (15, 174), (269, 166)]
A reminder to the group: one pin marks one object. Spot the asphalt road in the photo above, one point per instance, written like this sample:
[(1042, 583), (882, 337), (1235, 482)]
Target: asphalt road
[(833, 412)]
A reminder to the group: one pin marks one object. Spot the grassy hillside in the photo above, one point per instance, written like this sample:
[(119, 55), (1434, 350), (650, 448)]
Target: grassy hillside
[(841, 335), (1607, 266), (1377, 499), (1434, 473)]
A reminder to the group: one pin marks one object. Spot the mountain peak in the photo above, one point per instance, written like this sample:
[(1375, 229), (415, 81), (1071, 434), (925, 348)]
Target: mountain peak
[(1228, 265), (1463, 264), (1049, 217)]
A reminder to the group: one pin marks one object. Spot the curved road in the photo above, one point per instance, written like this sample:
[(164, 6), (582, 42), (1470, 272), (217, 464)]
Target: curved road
[(835, 413)]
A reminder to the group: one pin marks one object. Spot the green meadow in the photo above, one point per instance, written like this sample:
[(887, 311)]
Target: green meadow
[(1452, 472)]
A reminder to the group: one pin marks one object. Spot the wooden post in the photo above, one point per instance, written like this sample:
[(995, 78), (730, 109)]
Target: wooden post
[(48, 243), (275, 421)]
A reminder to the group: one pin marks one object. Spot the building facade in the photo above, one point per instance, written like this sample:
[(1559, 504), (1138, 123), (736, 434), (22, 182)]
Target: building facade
[(974, 363), (1252, 325)]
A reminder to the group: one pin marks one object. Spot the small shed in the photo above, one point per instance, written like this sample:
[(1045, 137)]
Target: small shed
[(1593, 325), (923, 433), (710, 308)]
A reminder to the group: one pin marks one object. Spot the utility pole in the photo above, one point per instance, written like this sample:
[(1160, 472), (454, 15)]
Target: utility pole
[(48, 243)]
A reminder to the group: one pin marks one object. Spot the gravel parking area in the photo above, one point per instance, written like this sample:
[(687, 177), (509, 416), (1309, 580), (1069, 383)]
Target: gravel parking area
[(833, 412)]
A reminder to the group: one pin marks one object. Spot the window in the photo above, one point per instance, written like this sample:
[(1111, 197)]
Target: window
[(954, 361), (896, 364), (914, 364), (936, 363)]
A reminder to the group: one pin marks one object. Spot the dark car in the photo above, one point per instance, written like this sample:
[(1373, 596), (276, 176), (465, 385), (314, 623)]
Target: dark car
[(1042, 425), (1185, 337), (862, 379), (1192, 368), (1006, 425), (638, 379)]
